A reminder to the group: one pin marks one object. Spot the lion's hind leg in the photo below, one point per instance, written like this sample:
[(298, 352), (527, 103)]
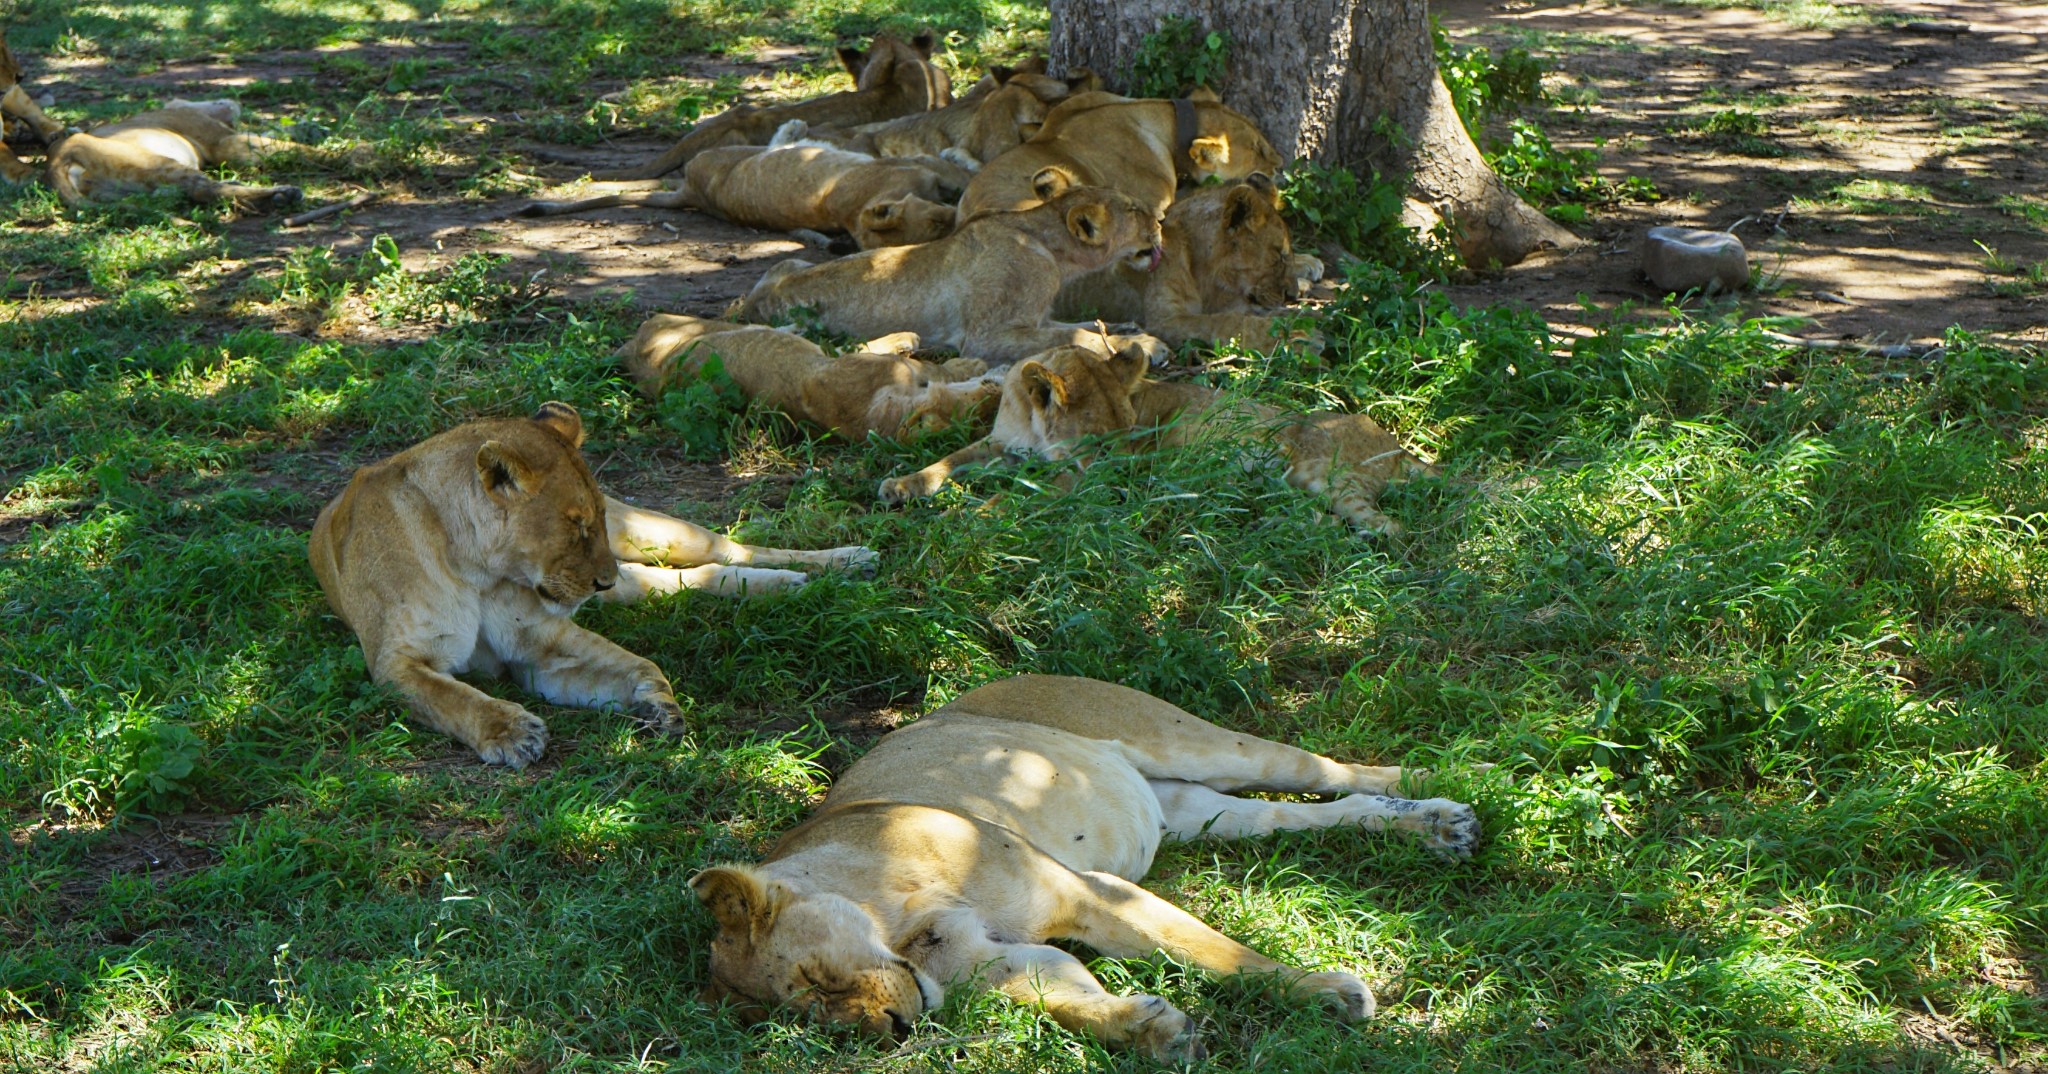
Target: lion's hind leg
[(1193, 811), (650, 537)]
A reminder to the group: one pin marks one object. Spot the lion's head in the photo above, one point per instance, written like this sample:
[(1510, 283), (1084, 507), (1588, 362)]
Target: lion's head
[(549, 515), (905, 65), (1104, 226), (1236, 243), (905, 221), (1054, 400), (1227, 145), (817, 953)]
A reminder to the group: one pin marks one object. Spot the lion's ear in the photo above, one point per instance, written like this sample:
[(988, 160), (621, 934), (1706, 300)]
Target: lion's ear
[(1240, 208), (737, 899), (1129, 364), (854, 60), (1204, 94), (561, 419), (1050, 182), (882, 215), (1001, 73), (1089, 223), (506, 477), (1083, 80), (1209, 154), (1265, 185), (1049, 387), (923, 43)]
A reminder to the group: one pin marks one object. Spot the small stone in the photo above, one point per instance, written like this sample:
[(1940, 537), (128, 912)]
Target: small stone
[(1690, 259)]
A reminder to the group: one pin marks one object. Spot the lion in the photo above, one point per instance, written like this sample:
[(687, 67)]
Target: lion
[(956, 851), (983, 125), (881, 389), (1143, 148), (1055, 401), (166, 147), (892, 78), (984, 290), (794, 184), (17, 105), (469, 552), (1226, 249)]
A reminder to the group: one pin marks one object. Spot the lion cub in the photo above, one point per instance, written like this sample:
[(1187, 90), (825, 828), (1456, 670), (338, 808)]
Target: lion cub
[(16, 104), (1226, 251), (1054, 401), (880, 390), (167, 147), (469, 551), (984, 123), (986, 290), (796, 184)]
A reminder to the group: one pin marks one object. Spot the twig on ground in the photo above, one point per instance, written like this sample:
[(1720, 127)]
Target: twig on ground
[(47, 685), (1882, 350), (325, 211)]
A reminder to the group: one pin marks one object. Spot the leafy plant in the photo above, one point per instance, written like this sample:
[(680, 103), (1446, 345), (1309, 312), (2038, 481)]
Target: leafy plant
[(700, 410), (1177, 57), (1363, 217), (153, 762)]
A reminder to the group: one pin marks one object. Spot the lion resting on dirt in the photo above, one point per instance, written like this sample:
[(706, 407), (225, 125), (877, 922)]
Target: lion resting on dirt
[(799, 185), (1058, 399), (984, 125), (1143, 148), (878, 390), (167, 147), (1226, 251), (948, 856), (16, 104), (984, 290), (469, 551), (892, 78)]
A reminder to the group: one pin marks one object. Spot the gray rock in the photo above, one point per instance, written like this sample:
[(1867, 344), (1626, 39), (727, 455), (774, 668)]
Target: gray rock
[(1689, 259)]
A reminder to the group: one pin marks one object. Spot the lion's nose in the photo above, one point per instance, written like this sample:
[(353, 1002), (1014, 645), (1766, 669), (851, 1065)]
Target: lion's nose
[(899, 1026), (601, 585)]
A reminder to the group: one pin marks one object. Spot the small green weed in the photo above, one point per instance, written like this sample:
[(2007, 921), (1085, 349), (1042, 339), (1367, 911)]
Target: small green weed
[(1736, 129), (1362, 216), (2021, 279), (701, 410), (1177, 57)]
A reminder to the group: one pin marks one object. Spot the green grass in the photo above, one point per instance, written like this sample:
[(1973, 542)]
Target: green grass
[(1755, 636)]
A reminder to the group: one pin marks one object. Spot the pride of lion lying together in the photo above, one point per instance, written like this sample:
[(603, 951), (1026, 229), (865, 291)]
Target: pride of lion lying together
[(1058, 400), (469, 552), (955, 851)]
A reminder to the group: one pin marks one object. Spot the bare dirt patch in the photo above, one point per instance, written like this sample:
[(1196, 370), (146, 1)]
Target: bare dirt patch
[(160, 849), (1862, 164)]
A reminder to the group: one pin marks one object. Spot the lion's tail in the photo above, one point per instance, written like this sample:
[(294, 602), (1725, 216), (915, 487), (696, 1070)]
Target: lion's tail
[(714, 132)]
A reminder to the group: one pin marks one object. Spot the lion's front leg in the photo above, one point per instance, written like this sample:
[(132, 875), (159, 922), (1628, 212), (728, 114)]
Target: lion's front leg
[(499, 731), (650, 537), (928, 481), (579, 668), (1122, 920), (961, 948), (17, 103)]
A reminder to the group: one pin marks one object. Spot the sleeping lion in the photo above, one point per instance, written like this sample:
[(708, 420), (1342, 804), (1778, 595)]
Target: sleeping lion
[(955, 851)]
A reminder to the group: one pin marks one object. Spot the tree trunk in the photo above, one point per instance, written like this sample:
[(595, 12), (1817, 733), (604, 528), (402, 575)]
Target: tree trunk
[(1318, 76)]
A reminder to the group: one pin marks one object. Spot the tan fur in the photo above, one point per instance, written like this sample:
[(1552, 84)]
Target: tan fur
[(984, 290), (1226, 251), (873, 391), (1026, 812), (982, 125), (893, 78), (1101, 139), (806, 185), (167, 147), (1054, 401), (17, 105), (470, 551)]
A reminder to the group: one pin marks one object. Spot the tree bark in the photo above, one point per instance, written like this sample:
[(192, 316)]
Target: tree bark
[(1318, 77)]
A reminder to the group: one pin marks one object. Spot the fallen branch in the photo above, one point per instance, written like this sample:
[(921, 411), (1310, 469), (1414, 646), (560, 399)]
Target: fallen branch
[(1890, 350), (325, 211)]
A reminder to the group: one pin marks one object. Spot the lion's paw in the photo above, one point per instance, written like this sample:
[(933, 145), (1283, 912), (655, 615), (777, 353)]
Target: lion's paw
[(1160, 1030), (286, 197), (853, 557), (659, 712), (1344, 992), (1447, 827), (905, 489), (515, 739)]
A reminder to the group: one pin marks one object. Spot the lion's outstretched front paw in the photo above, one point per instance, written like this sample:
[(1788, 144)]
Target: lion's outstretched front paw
[(1160, 1030), (659, 712), (1447, 827), (512, 737), (853, 557), (906, 488), (1344, 992)]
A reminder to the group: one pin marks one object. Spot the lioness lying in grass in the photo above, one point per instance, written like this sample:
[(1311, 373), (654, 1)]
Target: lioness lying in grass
[(1024, 812), (1057, 400), (167, 147)]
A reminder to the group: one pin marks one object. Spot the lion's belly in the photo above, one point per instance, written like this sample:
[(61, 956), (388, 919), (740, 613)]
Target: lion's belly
[(1077, 799), (164, 144)]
